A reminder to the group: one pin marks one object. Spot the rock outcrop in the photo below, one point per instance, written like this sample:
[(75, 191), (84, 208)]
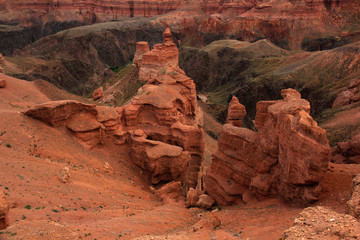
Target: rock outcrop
[(323, 223), (288, 156), (353, 205), (4, 210), (161, 126), (347, 152)]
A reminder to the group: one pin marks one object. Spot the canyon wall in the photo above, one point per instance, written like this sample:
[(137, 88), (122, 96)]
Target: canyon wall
[(25, 11)]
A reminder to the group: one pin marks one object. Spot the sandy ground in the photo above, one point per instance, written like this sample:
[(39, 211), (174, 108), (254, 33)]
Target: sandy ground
[(98, 203)]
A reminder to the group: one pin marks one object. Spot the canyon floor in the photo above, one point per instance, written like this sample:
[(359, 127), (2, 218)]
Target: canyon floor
[(106, 196)]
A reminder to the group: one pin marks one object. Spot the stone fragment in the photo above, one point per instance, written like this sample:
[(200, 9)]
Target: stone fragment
[(209, 221), (192, 198), (64, 174), (353, 205), (2, 83), (4, 210), (323, 223), (205, 201)]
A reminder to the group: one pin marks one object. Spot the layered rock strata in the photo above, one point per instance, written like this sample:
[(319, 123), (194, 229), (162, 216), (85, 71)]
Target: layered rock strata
[(288, 156), (84, 11), (162, 126)]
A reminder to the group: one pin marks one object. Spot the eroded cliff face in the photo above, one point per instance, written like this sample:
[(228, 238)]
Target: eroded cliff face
[(288, 156), (162, 126), (25, 11)]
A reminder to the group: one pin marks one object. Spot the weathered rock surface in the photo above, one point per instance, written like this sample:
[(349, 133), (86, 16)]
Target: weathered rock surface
[(353, 205), (288, 156), (4, 210), (323, 223), (162, 126)]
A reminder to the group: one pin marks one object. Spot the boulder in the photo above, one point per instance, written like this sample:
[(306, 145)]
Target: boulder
[(98, 93), (205, 201), (323, 223), (2, 83), (4, 210), (64, 174), (192, 198), (288, 156), (170, 192), (353, 205)]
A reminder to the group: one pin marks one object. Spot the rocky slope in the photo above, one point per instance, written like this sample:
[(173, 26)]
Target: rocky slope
[(228, 67), (78, 59)]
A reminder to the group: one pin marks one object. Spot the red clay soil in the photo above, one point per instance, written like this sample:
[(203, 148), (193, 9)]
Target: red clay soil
[(99, 202)]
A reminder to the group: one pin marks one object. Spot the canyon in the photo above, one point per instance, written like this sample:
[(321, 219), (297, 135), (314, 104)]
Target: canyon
[(179, 119)]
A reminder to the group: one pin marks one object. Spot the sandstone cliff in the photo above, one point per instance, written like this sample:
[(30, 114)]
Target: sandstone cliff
[(288, 156)]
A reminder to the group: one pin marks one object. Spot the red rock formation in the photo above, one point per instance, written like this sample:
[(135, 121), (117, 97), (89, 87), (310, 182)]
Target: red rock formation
[(162, 126), (4, 210), (288, 156), (165, 108)]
